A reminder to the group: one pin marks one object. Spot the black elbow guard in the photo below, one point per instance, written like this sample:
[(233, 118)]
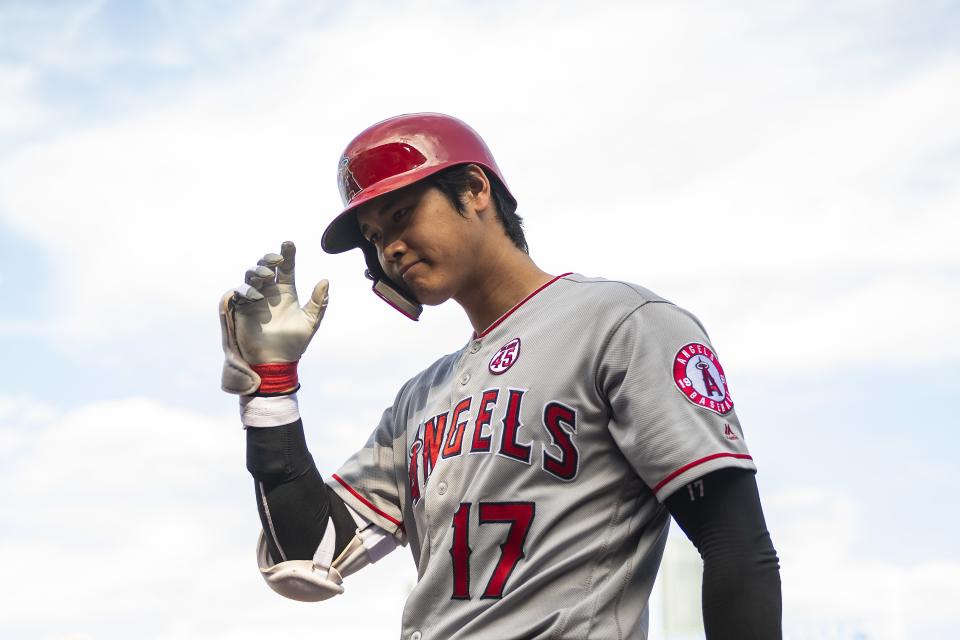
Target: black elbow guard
[(295, 504), (277, 454)]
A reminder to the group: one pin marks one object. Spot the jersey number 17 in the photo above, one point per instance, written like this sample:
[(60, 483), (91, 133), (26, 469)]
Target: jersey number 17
[(519, 515)]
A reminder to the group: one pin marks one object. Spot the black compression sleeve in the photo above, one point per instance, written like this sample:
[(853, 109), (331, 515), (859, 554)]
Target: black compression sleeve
[(294, 502), (722, 516)]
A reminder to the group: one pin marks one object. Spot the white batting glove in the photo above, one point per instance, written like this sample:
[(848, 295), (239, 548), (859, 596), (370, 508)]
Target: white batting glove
[(264, 329)]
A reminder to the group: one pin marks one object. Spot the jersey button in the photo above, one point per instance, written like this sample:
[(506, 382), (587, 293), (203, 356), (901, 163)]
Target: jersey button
[(475, 346), (465, 378), (416, 635), (442, 488)]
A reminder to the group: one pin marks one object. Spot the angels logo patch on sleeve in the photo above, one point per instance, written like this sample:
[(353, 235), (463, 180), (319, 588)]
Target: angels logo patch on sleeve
[(699, 376)]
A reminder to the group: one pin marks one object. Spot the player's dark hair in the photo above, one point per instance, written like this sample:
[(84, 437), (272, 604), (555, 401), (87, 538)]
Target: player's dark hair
[(455, 181)]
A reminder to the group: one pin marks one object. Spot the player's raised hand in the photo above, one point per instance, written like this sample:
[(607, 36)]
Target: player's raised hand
[(262, 323)]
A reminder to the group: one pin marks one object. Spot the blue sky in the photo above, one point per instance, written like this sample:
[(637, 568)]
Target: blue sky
[(788, 173)]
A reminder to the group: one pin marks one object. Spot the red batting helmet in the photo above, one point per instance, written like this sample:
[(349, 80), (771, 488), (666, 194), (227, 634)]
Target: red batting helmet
[(394, 154), (391, 155)]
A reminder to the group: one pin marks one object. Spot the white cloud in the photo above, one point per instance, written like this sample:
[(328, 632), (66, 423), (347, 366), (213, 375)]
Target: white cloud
[(668, 171), (132, 511), (21, 111), (19, 416), (85, 38), (830, 590), (142, 511), (828, 585), (797, 324)]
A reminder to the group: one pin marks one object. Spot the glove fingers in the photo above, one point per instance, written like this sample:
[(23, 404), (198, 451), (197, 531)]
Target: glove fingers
[(258, 276), (271, 260), (285, 269), (266, 269), (237, 376), (245, 293), (317, 304), (227, 335)]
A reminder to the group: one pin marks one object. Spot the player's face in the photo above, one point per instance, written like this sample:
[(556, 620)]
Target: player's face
[(423, 241)]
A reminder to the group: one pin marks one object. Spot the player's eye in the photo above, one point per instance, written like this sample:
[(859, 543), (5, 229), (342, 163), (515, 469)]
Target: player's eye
[(373, 238), (399, 213)]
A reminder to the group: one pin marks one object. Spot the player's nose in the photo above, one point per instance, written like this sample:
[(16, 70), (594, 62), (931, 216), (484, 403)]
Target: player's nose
[(394, 251)]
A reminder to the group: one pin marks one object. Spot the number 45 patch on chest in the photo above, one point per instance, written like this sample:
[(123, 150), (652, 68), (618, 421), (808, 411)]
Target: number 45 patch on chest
[(505, 357), (699, 376)]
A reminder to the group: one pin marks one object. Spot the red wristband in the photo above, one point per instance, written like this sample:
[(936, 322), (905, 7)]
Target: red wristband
[(276, 377)]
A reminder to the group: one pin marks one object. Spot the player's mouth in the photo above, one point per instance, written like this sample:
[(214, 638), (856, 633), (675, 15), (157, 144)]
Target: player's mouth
[(404, 269)]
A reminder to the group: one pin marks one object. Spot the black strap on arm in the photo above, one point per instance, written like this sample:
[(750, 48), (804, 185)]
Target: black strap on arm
[(722, 516), (294, 502)]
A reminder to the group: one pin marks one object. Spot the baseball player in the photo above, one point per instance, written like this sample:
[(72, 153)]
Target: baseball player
[(533, 472)]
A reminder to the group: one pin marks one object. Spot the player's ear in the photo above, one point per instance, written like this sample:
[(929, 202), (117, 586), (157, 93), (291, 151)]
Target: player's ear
[(478, 188)]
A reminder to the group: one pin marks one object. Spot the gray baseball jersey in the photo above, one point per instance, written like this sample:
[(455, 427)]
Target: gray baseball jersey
[(527, 471)]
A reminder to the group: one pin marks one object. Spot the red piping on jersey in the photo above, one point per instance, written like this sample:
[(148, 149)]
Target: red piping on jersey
[(518, 305), (365, 501), (687, 467)]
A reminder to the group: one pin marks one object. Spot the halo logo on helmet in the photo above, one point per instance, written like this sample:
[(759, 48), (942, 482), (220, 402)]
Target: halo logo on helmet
[(349, 187), (375, 165), (391, 155)]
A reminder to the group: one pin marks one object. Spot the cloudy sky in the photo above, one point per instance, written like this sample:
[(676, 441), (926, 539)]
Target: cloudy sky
[(786, 171)]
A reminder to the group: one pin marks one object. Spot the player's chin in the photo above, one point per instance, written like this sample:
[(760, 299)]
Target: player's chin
[(429, 293), (429, 296), (425, 284)]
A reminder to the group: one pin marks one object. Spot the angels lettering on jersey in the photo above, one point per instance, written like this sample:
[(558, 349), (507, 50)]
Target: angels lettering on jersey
[(489, 423)]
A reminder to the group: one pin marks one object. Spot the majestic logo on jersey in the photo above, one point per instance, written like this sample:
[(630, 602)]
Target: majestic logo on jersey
[(505, 357), (699, 376)]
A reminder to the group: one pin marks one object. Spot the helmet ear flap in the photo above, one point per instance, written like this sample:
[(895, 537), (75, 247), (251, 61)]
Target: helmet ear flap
[(386, 289)]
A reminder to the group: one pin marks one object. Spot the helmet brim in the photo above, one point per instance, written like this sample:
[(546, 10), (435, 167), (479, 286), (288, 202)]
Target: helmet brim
[(343, 233)]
